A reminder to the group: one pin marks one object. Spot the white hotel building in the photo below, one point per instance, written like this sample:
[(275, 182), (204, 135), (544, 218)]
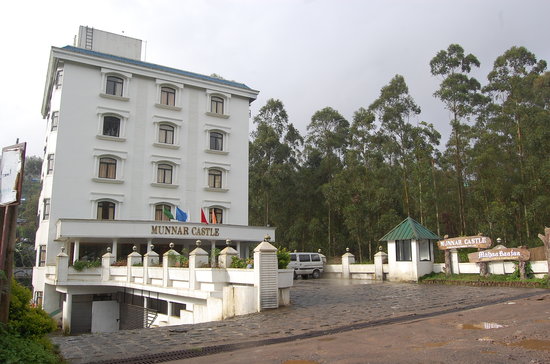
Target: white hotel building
[(127, 139)]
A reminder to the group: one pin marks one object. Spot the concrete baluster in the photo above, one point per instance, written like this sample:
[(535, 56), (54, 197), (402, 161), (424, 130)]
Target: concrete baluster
[(106, 260), (266, 275), (347, 260), (197, 259), (380, 259), (133, 258), (151, 258), (226, 256), (169, 259), (61, 267)]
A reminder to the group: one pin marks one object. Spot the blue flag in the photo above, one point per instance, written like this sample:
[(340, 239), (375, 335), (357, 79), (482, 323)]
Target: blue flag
[(181, 215)]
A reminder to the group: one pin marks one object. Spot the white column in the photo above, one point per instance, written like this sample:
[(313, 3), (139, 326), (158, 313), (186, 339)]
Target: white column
[(246, 250), (455, 261), (239, 249), (76, 250), (115, 249), (67, 311), (149, 242), (212, 253)]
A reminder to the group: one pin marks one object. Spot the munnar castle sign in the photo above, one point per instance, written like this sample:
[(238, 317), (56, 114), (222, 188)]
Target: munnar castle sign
[(184, 230), (477, 241)]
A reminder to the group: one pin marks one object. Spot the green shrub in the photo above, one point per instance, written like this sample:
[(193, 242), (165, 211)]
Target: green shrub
[(283, 258), (80, 265), (183, 261), (25, 320), (237, 262), (15, 349)]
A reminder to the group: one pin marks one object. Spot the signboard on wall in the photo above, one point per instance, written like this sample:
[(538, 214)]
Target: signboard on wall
[(499, 253), (477, 241), (11, 179)]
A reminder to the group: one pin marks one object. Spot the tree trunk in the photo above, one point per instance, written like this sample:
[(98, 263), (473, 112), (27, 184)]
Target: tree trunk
[(483, 272), (435, 199), (521, 267), (448, 269), (7, 236), (546, 240)]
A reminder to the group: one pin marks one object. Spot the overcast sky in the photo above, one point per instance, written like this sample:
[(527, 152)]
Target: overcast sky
[(310, 54)]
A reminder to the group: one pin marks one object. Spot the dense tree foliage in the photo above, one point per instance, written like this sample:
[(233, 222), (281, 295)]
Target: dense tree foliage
[(345, 184), (27, 210)]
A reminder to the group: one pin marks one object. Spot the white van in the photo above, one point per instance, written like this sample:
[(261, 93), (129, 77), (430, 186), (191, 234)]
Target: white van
[(306, 264)]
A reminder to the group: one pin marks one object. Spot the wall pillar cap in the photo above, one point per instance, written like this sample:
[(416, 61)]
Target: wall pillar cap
[(198, 251), (265, 247), (228, 251), (152, 253), (170, 252), (134, 254)]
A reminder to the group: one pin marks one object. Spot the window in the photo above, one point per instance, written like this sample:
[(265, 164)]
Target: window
[(55, 120), (292, 257), (46, 209), (114, 86), (105, 210), (107, 168), (166, 134), (215, 215), (304, 257), (160, 215), (315, 258), (111, 126), (403, 250), (164, 173), (216, 105), (176, 308), (216, 141), (58, 78), (167, 96), (42, 255), (49, 166), (214, 178), (424, 250)]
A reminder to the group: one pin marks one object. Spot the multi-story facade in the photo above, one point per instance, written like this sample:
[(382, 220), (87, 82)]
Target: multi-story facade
[(127, 143)]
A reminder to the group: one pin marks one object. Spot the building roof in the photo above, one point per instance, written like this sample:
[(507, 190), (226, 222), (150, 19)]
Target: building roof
[(156, 67), (409, 229)]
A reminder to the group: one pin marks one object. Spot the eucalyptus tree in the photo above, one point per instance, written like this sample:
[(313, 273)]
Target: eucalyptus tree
[(519, 115), (461, 95), (393, 110), (328, 133), (274, 154), (425, 139)]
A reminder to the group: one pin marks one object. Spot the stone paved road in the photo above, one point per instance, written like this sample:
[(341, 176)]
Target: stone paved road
[(317, 305)]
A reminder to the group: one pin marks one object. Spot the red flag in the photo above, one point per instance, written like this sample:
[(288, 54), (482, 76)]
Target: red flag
[(203, 217)]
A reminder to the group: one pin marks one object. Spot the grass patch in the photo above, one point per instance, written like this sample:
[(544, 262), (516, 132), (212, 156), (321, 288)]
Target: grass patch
[(496, 278)]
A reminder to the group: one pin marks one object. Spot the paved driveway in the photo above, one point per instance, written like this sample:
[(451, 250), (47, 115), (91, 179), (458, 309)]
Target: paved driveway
[(318, 307)]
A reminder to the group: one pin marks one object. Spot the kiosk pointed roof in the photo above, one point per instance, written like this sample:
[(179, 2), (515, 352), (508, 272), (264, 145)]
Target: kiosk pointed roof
[(409, 229)]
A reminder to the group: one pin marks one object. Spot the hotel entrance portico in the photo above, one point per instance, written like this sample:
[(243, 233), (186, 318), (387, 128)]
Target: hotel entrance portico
[(89, 239)]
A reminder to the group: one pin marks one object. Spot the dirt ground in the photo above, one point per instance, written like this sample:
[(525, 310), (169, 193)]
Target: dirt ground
[(510, 332)]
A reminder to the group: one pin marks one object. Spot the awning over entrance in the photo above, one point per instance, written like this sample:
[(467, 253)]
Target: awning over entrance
[(82, 230)]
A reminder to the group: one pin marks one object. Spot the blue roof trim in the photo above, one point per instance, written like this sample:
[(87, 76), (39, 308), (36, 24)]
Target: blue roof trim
[(156, 67)]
